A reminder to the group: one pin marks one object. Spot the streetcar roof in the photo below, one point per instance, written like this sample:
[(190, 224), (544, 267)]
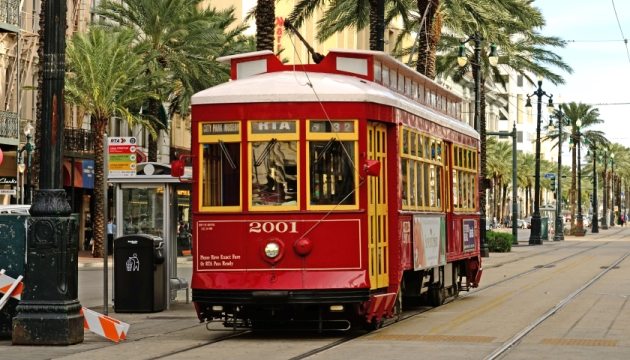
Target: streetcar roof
[(290, 86), (343, 76)]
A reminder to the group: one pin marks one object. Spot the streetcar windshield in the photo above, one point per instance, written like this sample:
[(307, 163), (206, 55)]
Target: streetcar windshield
[(221, 174), (274, 172), (332, 175)]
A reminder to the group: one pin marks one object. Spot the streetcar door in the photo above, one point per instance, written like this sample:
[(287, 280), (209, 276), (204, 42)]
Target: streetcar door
[(377, 208)]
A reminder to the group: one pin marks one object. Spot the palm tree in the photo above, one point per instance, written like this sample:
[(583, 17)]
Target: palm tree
[(358, 14), (587, 117), (618, 177), (525, 177), (499, 170), (186, 41), (104, 91)]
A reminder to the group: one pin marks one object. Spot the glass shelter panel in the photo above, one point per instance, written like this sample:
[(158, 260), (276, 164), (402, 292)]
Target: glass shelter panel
[(143, 210)]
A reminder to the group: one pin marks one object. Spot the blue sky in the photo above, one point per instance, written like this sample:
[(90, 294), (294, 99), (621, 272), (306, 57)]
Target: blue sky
[(598, 55)]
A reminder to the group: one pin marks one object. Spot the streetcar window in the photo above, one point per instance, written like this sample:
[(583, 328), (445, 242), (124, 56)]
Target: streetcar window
[(464, 178), (332, 172), (377, 72), (274, 173), (393, 79), (405, 178), (220, 174)]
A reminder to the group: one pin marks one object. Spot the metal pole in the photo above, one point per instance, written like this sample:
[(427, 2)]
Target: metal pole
[(106, 242), (559, 234), (612, 190), (580, 218), (604, 224), (514, 189), (29, 149), (535, 235), (594, 222), (512, 134), (49, 312)]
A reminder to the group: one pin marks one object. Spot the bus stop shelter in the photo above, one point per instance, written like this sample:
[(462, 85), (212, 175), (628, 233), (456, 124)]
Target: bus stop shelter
[(155, 203)]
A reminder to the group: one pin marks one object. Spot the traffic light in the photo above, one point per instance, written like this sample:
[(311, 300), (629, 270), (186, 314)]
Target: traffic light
[(553, 185)]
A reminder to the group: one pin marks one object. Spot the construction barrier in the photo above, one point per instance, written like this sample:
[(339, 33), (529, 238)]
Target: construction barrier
[(10, 287), (103, 325)]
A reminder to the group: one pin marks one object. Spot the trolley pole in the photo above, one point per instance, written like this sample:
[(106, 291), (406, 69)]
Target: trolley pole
[(512, 134)]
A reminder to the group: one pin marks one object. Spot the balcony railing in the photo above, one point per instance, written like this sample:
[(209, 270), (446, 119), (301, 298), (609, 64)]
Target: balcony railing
[(9, 125), (9, 12), (78, 140)]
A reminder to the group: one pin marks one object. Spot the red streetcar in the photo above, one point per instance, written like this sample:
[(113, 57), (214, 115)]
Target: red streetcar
[(329, 194)]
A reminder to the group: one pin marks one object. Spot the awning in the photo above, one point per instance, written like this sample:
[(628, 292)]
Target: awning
[(9, 164), (83, 176)]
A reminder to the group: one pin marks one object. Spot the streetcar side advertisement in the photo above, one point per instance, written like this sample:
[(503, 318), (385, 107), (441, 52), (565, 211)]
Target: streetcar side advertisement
[(429, 242)]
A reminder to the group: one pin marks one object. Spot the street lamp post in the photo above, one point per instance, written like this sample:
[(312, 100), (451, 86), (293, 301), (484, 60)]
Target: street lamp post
[(480, 127), (514, 189), (49, 312), (559, 233), (594, 222), (619, 212), (604, 224), (580, 218), (535, 235), (29, 148), (21, 168), (612, 190)]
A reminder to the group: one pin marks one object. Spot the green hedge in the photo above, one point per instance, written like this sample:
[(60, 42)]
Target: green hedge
[(499, 241)]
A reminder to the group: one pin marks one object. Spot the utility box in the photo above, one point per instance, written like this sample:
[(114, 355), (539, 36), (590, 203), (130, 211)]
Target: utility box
[(12, 254), (139, 274), (544, 228)]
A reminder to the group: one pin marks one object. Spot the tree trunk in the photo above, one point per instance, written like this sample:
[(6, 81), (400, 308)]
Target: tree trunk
[(430, 33), (98, 218), (528, 194), (572, 193), (154, 110), (377, 25), (503, 202), (265, 24)]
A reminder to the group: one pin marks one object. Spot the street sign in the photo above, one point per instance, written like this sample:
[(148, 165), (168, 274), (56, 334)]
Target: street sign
[(550, 176), (122, 156)]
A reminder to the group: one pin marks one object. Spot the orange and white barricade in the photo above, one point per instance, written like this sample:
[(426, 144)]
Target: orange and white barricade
[(103, 325), (10, 287)]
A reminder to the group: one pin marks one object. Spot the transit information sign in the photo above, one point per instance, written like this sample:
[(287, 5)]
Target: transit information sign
[(122, 156)]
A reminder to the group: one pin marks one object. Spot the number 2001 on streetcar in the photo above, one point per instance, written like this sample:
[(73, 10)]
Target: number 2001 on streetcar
[(330, 194)]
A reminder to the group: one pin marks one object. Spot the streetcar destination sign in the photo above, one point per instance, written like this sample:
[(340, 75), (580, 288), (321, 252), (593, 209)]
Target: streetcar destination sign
[(219, 128)]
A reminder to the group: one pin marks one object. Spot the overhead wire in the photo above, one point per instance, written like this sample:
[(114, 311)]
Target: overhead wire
[(625, 41)]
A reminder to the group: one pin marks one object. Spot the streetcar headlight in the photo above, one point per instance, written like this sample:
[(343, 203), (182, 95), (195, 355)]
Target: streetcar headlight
[(272, 250), (336, 308)]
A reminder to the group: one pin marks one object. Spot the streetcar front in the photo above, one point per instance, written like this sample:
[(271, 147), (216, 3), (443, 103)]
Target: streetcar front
[(277, 223)]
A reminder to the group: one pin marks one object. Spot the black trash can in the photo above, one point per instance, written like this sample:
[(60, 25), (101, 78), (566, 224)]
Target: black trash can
[(139, 274)]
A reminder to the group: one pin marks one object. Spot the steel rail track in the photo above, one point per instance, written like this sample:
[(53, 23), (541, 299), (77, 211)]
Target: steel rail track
[(513, 342), (412, 313)]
